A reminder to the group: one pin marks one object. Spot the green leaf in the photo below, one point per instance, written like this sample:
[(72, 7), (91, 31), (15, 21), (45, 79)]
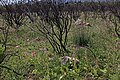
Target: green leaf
[(35, 71)]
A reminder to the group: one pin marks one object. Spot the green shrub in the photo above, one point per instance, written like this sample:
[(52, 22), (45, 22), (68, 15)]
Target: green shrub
[(81, 39), (81, 36)]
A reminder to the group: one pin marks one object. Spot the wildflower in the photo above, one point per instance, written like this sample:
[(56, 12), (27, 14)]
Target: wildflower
[(71, 61), (44, 50), (17, 46), (33, 54), (88, 24), (26, 53), (65, 59), (28, 39)]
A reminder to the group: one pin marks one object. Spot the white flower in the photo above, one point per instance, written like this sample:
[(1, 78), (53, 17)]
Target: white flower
[(65, 59)]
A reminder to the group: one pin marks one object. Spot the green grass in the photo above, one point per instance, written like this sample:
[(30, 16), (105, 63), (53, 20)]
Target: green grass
[(100, 60)]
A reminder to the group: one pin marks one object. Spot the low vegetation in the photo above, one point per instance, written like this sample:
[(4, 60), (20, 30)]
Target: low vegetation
[(47, 40)]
